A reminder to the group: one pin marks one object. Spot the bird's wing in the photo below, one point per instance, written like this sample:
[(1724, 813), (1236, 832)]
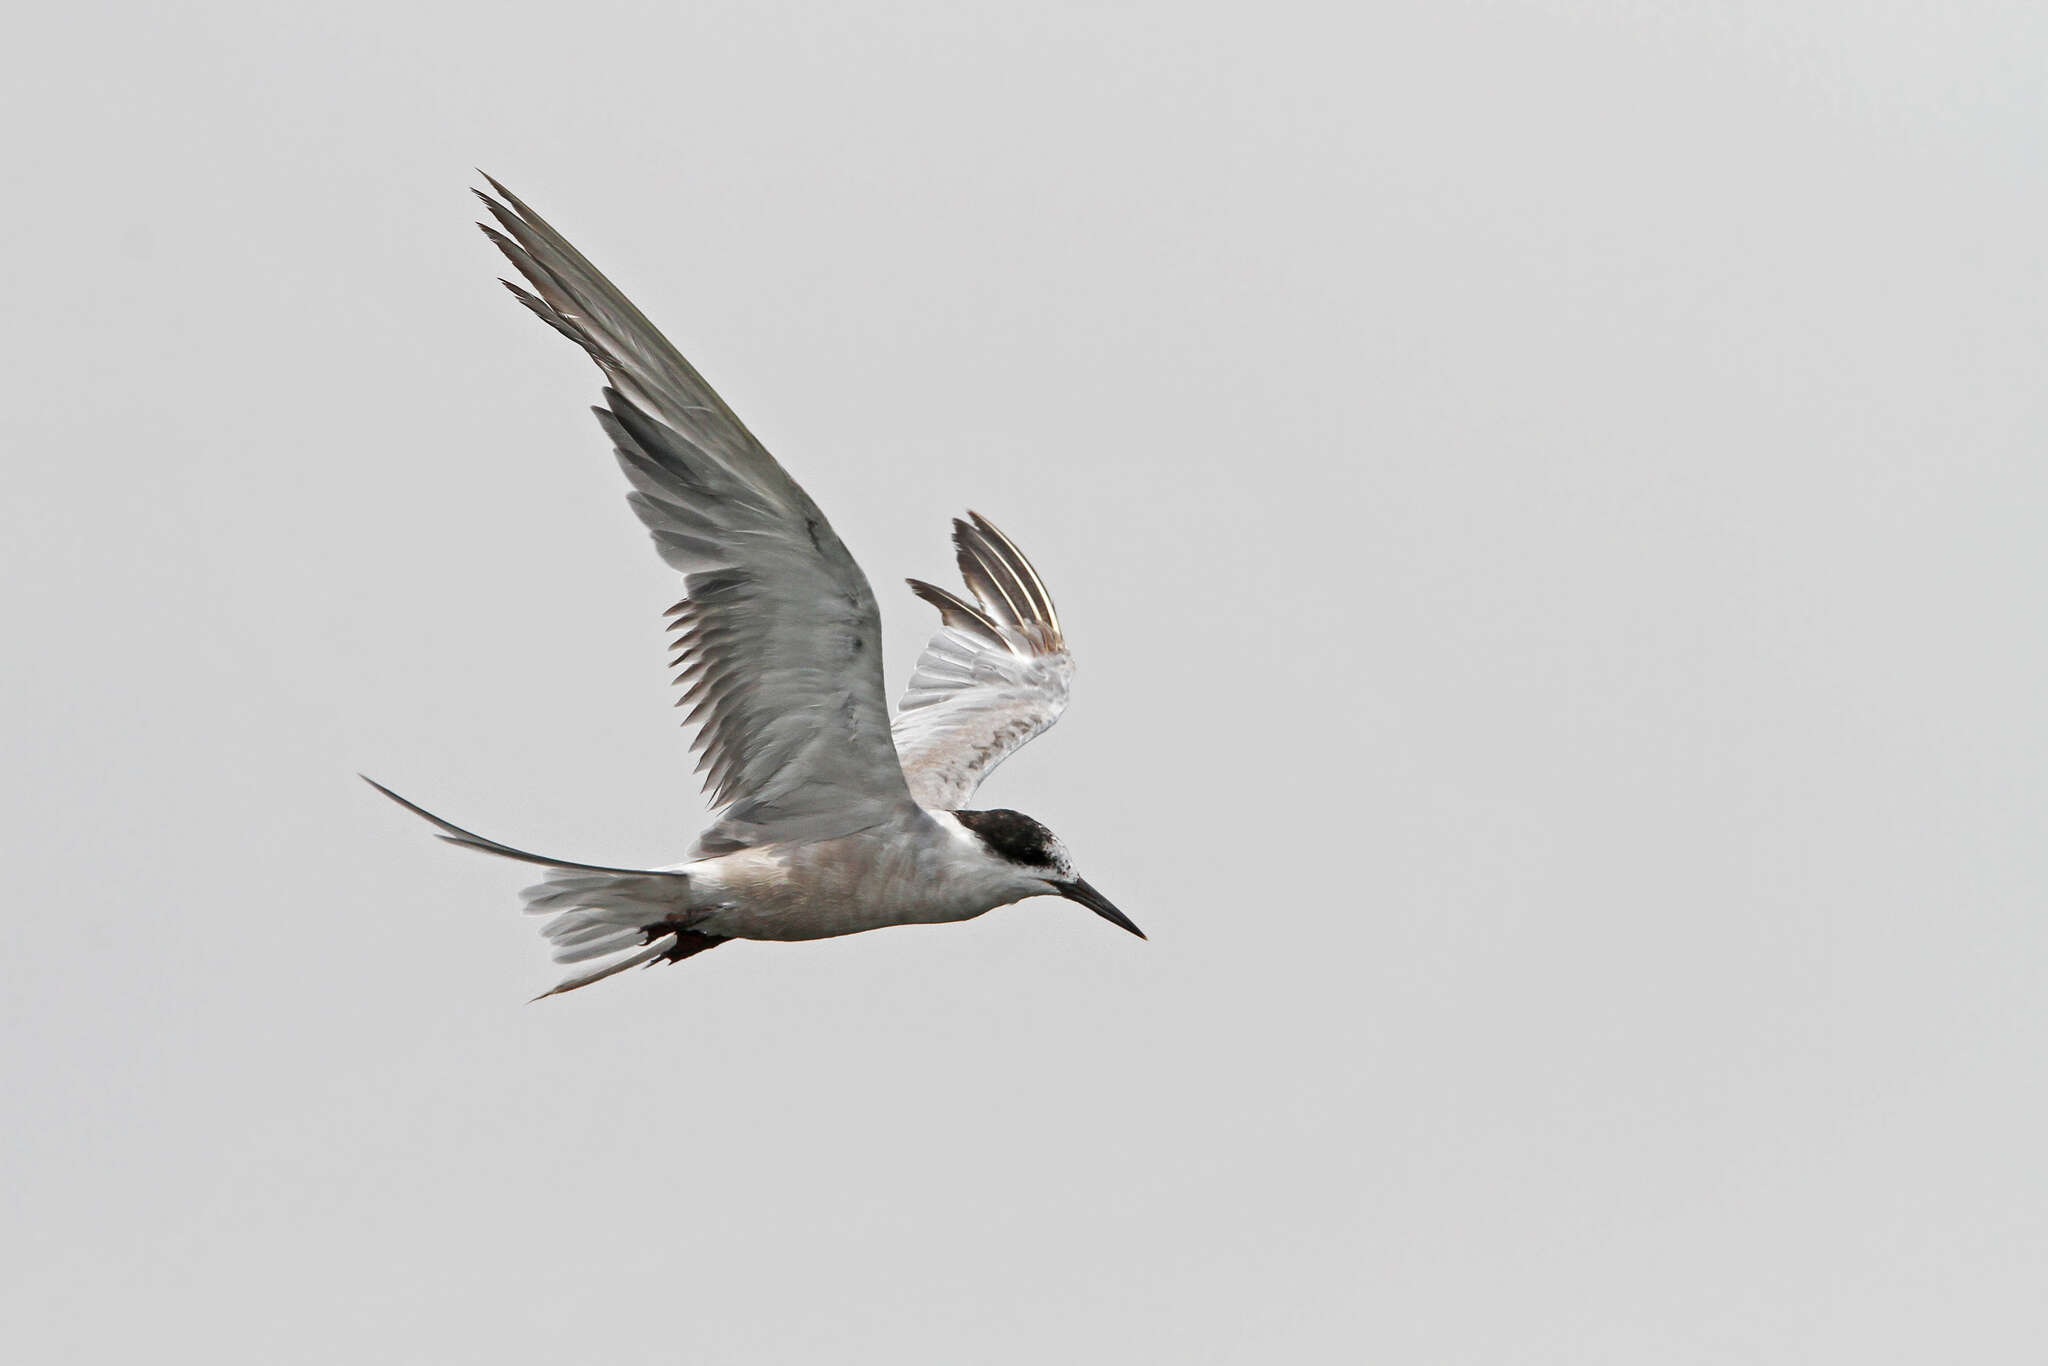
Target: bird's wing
[(777, 633), (995, 674)]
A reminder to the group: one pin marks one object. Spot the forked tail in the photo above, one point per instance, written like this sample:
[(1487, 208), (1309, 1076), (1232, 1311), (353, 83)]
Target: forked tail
[(597, 911)]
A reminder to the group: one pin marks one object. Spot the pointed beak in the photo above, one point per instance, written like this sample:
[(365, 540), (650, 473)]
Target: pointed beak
[(1079, 890)]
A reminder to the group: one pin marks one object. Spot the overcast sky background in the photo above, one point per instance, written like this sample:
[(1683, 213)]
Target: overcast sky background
[(1548, 499)]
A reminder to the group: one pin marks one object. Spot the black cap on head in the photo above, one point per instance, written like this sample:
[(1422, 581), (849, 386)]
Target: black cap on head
[(1012, 835)]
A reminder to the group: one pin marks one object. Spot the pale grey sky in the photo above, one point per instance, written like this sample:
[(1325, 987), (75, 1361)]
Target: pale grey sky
[(1548, 499)]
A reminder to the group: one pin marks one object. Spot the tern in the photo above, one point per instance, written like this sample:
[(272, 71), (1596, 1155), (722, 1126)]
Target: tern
[(830, 818)]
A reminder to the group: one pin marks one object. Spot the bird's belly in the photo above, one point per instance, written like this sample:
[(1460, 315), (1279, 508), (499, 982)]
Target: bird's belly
[(812, 895), (822, 915)]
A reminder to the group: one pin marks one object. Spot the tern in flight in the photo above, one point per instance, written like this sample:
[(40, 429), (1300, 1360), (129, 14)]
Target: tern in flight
[(832, 818)]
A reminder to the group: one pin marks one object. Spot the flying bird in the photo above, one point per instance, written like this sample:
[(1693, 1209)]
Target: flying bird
[(831, 817)]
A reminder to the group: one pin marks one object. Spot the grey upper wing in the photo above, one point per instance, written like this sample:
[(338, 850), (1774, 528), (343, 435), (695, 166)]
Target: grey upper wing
[(778, 633), (995, 675)]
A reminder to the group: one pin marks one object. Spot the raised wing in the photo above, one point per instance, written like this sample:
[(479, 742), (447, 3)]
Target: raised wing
[(995, 675), (778, 633)]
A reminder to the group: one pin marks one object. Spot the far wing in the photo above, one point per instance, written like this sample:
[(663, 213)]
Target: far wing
[(995, 675), (778, 631)]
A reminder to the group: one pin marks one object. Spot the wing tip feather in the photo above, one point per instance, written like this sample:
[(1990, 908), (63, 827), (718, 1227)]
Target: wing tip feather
[(1004, 582), (959, 614)]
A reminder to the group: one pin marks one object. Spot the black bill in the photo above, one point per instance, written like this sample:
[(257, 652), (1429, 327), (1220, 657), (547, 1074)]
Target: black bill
[(1079, 890)]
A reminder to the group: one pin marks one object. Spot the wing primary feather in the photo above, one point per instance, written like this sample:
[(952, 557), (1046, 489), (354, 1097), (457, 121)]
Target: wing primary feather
[(985, 572), (1021, 569), (957, 614)]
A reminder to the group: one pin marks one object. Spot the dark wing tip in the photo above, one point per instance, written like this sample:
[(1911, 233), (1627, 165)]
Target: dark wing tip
[(987, 577), (1002, 578), (958, 614), (498, 189)]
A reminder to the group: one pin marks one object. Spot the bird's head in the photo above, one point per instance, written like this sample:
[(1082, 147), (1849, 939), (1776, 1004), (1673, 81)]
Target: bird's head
[(1038, 861)]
